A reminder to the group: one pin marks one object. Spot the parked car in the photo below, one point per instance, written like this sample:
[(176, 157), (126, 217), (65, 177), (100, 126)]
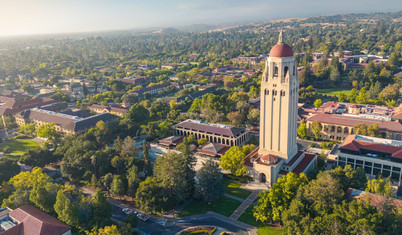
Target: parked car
[(142, 216), (162, 222), (127, 211)]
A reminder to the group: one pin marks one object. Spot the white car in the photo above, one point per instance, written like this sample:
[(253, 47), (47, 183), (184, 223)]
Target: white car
[(127, 211)]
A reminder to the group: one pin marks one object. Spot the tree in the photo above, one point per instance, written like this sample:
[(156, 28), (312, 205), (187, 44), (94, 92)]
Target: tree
[(317, 103), (353, 95), (323, 192), (117, 187), (107, 230), (362, 96), (202, 141), (37, 157), (129, 148), (364, 129), (391, 92), (233, 160), (236, 118), (348, 177), (134, 179), (334, 75), (175, 173), (195, 106), (271, 204), (46, 130), (66, 210), (151, 197), (137, 114), (28, 128), (380, 186), (148, 168), (301, 130), (8, 169), (342, 97), (107, 180), (43, 196), (102, 209), (209, 182), (316, 128)]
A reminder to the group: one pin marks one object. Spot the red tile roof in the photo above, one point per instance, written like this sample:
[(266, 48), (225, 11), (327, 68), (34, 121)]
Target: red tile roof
[(301, 167), (351, 121), (253, 154), (36, 222), (375, 200), (214, 149), (357, 145), (211, 128), (294, 159)]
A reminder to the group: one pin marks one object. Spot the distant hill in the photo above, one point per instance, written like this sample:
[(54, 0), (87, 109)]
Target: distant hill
[(323, 21)]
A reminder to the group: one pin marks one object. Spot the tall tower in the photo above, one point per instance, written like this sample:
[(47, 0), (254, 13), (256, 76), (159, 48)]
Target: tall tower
[(279, 98)]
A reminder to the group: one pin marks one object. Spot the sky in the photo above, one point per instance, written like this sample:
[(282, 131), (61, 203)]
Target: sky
[(24, 17)]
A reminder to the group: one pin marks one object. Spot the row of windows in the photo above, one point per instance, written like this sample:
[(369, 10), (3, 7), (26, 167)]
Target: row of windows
[(373, 169), (285, 71)]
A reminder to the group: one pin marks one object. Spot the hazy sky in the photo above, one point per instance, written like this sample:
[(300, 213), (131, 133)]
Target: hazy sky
[(57, 16)]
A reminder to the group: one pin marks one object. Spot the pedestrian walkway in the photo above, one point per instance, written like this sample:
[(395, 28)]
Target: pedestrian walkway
[(246, 203), (233, 197)]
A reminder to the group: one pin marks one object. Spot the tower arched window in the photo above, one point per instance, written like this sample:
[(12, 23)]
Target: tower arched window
[(285, 71), (294, 69), (267, 73), (276, 71)]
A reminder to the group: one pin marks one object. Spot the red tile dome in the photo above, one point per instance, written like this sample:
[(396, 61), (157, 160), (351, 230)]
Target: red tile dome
[(281, 50), (269, 159)]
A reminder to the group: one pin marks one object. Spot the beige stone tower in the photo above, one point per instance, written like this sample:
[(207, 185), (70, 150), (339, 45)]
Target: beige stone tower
[(279, 98)]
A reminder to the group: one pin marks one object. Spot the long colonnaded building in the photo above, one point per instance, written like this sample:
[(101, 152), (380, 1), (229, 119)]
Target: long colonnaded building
[(278, 152), (214, 133)]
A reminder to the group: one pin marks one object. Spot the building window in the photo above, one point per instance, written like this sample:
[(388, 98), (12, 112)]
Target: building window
[(276, 71), (294, 69), (377, 165), (285, 71), (386, 167), (368, 163)]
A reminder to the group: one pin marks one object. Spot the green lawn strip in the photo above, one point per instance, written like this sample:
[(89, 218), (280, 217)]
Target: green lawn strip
[(248, 218), (332, 91), (233, 188), (19, 146), (224, 206)]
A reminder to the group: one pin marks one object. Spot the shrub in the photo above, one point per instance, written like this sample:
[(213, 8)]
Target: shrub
[(7, 149), (199, 230)]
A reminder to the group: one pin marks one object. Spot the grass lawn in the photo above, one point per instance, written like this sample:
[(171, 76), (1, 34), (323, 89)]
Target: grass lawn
[(248, 218), (333, 91), (19, 146), (234, 189), (224, 206)]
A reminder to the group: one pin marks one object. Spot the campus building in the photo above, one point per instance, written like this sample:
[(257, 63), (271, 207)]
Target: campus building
[(374, 155), (278, 152), (339, 126), (215, 133), (27, 220), (68, 122)]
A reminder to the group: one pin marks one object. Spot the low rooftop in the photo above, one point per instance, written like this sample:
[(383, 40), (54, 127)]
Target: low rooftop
[(365, 145), (218, 129)]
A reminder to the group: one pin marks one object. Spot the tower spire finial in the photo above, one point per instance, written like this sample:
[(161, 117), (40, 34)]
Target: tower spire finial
[(280, 37)]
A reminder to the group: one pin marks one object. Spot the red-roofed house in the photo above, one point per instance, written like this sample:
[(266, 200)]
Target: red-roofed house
[(27, 220)]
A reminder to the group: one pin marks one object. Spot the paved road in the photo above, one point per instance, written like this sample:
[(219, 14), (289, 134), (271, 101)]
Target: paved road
[(205, 219)]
